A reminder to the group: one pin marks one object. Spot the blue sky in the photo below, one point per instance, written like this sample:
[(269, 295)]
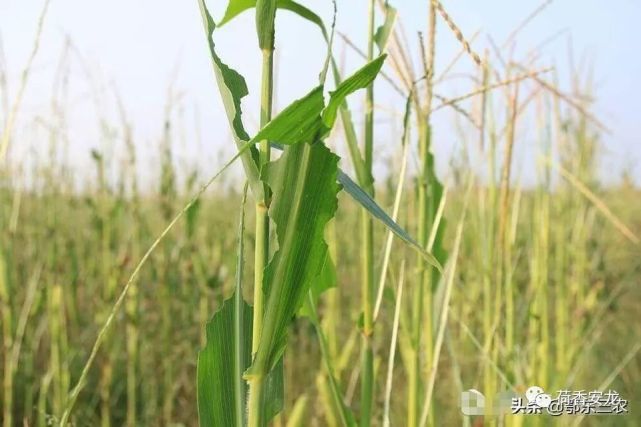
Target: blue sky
[(140, 46)]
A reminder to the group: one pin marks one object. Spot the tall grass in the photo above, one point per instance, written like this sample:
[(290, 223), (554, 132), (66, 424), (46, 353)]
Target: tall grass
[(117, 306)]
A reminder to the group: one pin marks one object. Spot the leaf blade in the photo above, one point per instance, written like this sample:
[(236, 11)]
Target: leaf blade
[(304, 188), (381, 37), (221, 390), (359, 80), (370, 205), (232, 88), (235, 8), (217, 400), (299, 122)]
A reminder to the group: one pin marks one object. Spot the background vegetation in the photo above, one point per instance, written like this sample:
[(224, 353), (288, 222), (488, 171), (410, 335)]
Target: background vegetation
[(540, 283)]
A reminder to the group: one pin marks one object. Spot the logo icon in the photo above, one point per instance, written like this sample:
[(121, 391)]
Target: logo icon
[(535, 395), (536, 402)]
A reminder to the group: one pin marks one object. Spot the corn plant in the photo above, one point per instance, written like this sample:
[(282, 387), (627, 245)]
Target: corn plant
[(302, 187), (107, 295)]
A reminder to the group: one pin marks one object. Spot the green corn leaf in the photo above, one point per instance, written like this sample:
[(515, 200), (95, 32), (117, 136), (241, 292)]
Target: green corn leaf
[(304, 13), (326, 280), (381, 37), (359, 80), (299, 122), (304, 188), (218, 400), (363, 175), (236, 7), (221, 389), (232, 88), (363, 199)]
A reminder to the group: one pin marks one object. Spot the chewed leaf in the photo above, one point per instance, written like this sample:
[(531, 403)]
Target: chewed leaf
[(384, 31), (359, 80), (232, 88), (221, 388), (370, 205), (217, 399), (326, 279), (299, 122), (304, 188), (363, 174)]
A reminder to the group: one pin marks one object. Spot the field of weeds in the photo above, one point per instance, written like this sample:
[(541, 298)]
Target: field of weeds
[(323, 271)]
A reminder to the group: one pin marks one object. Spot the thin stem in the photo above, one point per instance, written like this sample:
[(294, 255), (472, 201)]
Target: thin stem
[(255, 404), (422, 324), (392, 352), (390, 235), (367, 255), (239, 414)]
